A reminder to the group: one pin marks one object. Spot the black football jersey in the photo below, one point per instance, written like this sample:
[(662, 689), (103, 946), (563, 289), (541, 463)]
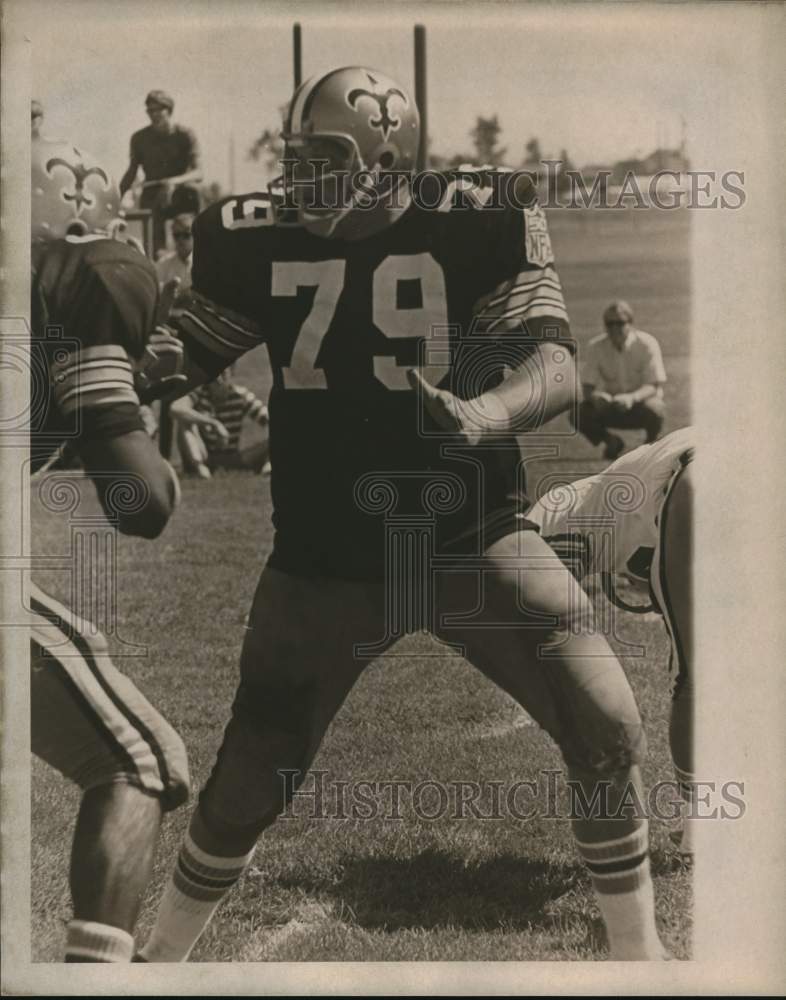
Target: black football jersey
[(463, 289), (93, 307)]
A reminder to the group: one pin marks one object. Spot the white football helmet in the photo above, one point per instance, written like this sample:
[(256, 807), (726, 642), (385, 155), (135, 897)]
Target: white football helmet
[(356, 119), (72, 194)]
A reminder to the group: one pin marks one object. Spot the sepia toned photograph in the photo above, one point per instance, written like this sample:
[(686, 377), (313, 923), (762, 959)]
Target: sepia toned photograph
[(384, 606)]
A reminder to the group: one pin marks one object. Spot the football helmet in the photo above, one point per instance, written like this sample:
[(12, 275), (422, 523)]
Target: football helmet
[(352, 119), (72, 194)]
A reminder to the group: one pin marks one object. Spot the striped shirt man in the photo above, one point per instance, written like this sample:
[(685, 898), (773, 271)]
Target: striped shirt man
[(230, 404)]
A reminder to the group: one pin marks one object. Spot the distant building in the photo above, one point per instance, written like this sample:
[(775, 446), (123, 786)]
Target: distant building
[(659, 159)]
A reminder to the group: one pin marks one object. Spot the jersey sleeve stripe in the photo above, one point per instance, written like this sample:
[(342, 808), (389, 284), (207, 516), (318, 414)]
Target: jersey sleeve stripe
[(531, 294), (95, 386), (532, 312), (102, 352), (526, 308), (524, 292), (106, 394), (217, 334), (520, 303), (226, 316), (208, 338), (229, 332), (79, 366), (94, 383), (522, 281)]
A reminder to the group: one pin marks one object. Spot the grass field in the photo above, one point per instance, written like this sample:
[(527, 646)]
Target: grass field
[(385, 889)]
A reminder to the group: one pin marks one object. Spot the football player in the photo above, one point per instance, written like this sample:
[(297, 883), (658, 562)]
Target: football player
[(636, 519), (414, 325), (94, 302)]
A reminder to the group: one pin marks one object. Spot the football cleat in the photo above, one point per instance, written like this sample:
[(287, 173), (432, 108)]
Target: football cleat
[(72, 194)]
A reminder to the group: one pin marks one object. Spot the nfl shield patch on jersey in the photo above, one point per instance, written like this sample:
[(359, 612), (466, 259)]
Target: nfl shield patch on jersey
[(538, 245)]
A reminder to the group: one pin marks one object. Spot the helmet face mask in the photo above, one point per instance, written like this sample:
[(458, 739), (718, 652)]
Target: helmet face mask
[(347, 122), (72, 194)]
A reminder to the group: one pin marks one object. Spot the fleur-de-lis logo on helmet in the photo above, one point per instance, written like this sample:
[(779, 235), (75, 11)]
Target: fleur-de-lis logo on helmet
[(71, 193), (384, 121), (80, 174)]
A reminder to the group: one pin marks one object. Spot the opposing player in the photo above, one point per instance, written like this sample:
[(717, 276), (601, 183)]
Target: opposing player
[(636, 519), (362, 283), (94, 302)]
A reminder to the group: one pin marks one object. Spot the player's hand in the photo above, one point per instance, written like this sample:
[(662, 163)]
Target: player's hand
[(161, 368), (470, 419), (600, 397)]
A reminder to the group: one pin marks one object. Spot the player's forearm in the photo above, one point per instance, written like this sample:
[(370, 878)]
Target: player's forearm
[(541, 388), (136, 487)]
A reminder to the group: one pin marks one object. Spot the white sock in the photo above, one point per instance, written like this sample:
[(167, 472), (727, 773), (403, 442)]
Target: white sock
[(623, 888), (198, 884), (89, 941), (630, 923)]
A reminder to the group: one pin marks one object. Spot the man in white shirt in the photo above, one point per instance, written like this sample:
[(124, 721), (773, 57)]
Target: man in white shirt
[(177, 264), (622, 377)]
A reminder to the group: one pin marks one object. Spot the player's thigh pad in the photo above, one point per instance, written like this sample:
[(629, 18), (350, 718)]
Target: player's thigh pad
[(90, 722), (534, 636), (297, 666)]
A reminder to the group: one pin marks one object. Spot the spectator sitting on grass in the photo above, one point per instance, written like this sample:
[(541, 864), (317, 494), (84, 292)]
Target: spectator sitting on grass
[(210, 420)]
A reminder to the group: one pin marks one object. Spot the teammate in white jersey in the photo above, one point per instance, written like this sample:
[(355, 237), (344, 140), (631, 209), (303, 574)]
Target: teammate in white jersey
[(635, 519)]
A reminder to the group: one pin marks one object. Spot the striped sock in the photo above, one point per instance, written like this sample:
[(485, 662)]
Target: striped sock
[(88, 941), (620, 872), (198, 884)]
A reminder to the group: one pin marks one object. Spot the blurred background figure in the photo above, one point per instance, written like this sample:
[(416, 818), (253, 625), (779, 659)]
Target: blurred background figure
[(177, 263), (169, 157), (622, 378), (36, 118), (209, 424)]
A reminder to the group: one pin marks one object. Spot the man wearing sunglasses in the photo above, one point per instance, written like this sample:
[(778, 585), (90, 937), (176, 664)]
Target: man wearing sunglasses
[(622, 378), (168, 154), (177, 264)]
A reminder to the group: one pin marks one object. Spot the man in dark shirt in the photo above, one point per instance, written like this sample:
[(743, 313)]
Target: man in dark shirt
[(169, 156)]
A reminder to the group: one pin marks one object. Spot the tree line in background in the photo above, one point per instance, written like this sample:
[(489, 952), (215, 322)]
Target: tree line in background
[(268, 148)]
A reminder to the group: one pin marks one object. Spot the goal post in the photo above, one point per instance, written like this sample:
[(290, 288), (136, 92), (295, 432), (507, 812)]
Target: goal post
[(420, 94)]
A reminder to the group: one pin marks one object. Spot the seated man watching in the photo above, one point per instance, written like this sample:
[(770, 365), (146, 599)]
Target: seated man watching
[(210, 420), (623, 378)]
